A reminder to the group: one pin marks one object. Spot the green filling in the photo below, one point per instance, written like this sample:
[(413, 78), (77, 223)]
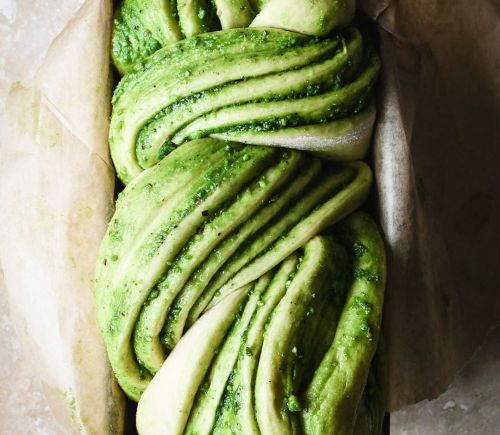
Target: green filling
[(274, 372), (209, 221), (131, 41), (210, 218), (275, 81)]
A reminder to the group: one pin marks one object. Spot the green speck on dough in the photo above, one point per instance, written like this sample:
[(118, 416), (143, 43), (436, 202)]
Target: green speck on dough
[(292, 403), (359, 249), (366, 275)]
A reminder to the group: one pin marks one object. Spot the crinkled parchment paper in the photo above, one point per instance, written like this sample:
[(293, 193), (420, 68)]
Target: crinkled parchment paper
[(436, 154), (56, 193)]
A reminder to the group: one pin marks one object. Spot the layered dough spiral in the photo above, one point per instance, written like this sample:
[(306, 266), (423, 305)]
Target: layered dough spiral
[(293, 349), (205, 221), (250, 85), (144, 26), (237, 288)]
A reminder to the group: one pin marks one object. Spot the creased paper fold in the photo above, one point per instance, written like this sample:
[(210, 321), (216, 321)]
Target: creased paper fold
[(56, 195)]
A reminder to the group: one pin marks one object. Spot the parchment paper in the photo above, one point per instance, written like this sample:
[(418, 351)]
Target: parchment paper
[(468, 406), (435, 155), (56, 192)]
